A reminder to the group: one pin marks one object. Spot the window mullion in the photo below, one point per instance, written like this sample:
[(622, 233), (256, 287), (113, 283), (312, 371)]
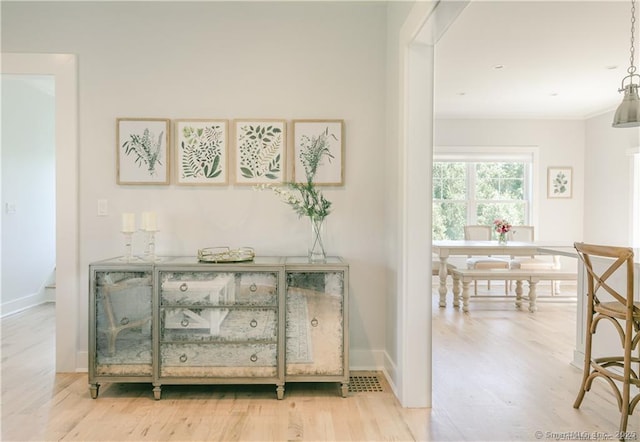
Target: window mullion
[(472, 208)]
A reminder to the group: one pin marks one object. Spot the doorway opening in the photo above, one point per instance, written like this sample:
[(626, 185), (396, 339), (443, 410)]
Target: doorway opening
[(63, 69)]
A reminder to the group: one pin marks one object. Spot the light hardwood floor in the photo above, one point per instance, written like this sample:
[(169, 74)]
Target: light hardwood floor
[(499, 374)]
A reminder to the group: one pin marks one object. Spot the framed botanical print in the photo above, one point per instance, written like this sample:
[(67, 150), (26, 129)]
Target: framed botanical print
[(559, 182), (311, 135), (201, 152), (142, 151), (260, 151)]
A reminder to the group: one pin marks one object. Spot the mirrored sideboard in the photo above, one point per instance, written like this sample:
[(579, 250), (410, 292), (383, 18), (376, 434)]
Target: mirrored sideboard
[(179, 321)]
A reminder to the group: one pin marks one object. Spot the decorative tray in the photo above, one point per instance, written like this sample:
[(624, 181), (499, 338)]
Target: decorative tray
[(225, 254)]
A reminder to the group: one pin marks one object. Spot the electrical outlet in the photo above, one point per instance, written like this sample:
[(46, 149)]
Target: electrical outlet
[(103, 207), (10, 208)]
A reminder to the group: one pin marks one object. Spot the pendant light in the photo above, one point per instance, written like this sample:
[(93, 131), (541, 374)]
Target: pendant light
[(628, 113)]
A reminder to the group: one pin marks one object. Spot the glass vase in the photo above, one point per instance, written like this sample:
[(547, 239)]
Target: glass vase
[(316, 244), (502, 237)]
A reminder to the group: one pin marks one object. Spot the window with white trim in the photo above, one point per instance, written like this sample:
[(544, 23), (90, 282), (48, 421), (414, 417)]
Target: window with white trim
[(477, 188)]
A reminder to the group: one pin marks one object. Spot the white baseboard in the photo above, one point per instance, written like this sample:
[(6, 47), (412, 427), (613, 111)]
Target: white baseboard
[(578, 359), (82, 362), (49, 294), (20, 304), (390, 371)]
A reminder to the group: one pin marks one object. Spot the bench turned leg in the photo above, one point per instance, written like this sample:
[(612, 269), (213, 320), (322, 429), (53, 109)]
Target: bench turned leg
[(532, 296), (518, 294), (465, 296), (456, 291), (442, 288)]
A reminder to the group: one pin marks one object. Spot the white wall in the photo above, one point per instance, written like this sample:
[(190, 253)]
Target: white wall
[(227, 60), (608, 181), (28, 189), (560, 143)]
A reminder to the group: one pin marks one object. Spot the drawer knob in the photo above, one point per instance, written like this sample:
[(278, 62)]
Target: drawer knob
[(253, 323), (184, 287), (314, 322), (183, 358), (184, 322), (124, 321), (254, 358), (253, 287)]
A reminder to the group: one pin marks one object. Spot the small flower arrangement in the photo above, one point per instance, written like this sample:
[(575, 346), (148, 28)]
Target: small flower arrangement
[(502, 227)]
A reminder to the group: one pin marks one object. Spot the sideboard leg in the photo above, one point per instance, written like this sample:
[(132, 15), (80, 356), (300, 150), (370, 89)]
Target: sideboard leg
[(93, 389), (280, 392), (157, 392), (345, 389)]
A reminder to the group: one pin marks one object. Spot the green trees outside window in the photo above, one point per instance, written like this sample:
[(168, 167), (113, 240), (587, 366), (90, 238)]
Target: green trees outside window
[(478, 193)]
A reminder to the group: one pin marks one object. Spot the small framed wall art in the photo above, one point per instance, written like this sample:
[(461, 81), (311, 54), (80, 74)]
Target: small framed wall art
[(559, 182), (260, 151), (319, 134), (142, 151), (201, 152)]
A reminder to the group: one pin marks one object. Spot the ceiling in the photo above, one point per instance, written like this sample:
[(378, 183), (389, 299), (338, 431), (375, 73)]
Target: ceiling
[(534, 59)]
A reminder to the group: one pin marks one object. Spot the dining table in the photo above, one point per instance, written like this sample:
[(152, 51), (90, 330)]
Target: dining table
[(443, 249)]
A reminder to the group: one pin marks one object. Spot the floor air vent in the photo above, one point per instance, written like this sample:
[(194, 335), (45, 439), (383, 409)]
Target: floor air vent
[(365, 384)]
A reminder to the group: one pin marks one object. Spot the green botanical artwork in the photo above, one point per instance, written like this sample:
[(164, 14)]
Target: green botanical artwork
[(142, 149), (313, 148), (146, 149), (202, 149), (260, 151), (314, 135), (560, 183)]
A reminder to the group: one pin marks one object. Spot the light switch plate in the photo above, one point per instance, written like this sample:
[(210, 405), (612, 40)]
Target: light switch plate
[(103, 207)]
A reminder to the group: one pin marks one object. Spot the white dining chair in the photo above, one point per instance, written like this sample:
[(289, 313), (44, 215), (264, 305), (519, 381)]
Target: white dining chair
[(483, 233)]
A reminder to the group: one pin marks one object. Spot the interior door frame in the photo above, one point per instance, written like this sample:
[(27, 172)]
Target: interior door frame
[(63, 67)]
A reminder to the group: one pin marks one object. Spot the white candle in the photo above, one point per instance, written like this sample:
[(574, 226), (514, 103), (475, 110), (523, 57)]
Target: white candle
[(128, 222), (149, 221)]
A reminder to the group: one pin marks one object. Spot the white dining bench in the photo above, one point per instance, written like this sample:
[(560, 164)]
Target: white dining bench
[(532, 276)]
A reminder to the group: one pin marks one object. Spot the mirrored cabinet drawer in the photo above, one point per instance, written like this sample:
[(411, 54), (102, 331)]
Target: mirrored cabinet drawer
[(219, 288), (122, 308), (218, 324), (218, 360), (315, 328)]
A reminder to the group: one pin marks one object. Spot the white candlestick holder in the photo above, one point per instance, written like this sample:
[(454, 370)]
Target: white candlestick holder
[(150, 249)]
